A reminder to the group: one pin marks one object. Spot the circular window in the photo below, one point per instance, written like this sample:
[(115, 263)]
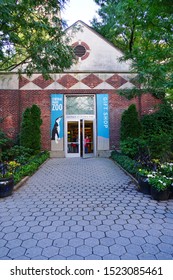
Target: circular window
[(79, 50)]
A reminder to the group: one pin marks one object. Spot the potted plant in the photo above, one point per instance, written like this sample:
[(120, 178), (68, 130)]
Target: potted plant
[(6, 178), (144, 185), (160, 186), (167, 169)]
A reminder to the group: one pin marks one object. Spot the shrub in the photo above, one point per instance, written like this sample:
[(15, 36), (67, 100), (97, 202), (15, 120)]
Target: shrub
[(30, 136), (17, 153), (29, 168), (158, 131), (36, 131), (127, 163), (130, 124), (133, 147), (160, 146)]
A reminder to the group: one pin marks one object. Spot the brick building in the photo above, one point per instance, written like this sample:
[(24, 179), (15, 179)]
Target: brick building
[(81, 110)]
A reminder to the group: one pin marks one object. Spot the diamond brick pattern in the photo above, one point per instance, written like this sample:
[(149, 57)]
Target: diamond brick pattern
[(23, 81), (41, 82), (92, 81), (97, 217), (67, 81), (116, 81)]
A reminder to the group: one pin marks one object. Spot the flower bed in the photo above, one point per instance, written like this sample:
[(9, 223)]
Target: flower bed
[(17, 171), (158, 183)]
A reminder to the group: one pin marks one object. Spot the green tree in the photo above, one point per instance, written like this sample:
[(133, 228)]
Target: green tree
[(36, 131), (26, 129), (30, 136), (130, 123), (130, 132), (158, 132), (143, 30), (32, 38)]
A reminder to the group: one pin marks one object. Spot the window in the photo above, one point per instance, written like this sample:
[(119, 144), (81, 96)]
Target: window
[(79, 50), (80, 105)]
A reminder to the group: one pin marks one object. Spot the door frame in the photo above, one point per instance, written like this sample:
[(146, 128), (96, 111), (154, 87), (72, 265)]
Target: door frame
[(80, 119)]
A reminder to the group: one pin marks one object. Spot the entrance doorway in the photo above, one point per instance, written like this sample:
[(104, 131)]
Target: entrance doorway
[(80, 138)]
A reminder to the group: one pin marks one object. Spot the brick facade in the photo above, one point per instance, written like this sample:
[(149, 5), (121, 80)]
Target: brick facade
[(14, 102), (99, 71)]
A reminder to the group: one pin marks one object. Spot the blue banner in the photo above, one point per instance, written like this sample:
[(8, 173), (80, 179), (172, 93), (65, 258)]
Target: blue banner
[(103, 121), (57, 115)]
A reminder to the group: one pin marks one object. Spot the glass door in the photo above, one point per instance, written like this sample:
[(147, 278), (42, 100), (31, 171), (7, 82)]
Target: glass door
[(88, 138), (73, 139)]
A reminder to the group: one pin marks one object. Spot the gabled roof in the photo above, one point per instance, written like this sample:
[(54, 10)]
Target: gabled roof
[(102, 56)]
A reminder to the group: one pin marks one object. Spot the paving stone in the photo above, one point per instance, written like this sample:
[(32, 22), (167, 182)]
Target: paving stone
[(166, 239), (137, 240), (14, 243), (134, 249), (11, 236), (16, 252), (60, 242), (3, 252), (152, 240), (100, 250), (126, 233), (50, 251), (39, 235), (98, 217), (163, 256), (92, 241), (111, 257), (2, 243), (117, 249), (83, 234), (84, 251), (166, 248), (67, 251), (22, 229), (129, 257), (122, 241), (146, 256), (141, 233)]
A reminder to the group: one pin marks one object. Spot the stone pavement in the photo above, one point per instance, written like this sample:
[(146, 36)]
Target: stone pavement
[(84, 209)]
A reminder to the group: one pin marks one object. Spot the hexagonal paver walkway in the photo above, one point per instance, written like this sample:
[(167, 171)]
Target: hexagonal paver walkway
[(84, 209)]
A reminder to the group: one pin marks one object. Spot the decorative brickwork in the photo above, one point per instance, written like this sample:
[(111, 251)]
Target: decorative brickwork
[(92, 81), (67, 81), (116, 81), (14, 104), (23, 81), (41, 82)]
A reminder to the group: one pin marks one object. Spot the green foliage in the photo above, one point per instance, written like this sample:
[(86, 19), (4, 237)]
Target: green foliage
[(127, 163), (159, 182), (29, 168), (32, 38), (36, 131), (167, 169), (133, 147), (130, 124), (26, 128), (4, 140), (30, 136), (158, 132), (18, 153), (156, 139), (143, 30), (160, 146)]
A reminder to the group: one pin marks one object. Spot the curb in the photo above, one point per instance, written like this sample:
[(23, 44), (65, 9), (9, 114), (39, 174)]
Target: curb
[(127, 173), (18, 185)]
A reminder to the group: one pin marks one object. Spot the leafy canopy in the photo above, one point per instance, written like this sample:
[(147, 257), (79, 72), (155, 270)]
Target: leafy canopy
[(31, 37), (143, 29)]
